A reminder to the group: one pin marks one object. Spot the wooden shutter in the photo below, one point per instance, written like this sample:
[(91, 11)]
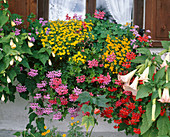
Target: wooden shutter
[(158, 20), (90, 6), (23, 7)]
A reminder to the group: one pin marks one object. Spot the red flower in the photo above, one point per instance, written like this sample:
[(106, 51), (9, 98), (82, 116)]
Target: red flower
[(52, 101), (126, 64), (118, 121), (115, 127), (136, 130), (107, 112), (86, 114), (111, 90), (162, 111), (124, 112), (153, 76), (96, 111), (130, 106), (130, 55)]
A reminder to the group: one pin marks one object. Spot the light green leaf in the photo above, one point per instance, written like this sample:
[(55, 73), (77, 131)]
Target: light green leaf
[(166, 44), (167, 85), (87, 121), (151, 71), (17, 134), (3, 19)]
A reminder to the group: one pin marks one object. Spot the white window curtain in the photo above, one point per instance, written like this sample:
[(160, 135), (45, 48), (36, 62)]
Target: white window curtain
[(58, 9), (121, 10)]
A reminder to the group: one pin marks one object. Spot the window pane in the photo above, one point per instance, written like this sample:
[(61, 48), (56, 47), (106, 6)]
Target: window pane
[(58, 9)]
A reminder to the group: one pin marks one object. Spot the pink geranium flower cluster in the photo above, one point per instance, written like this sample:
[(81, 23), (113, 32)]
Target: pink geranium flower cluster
[(93, 63), (102, 79), (81, 79), (62, 89), (111, 58), (99, 15), (21, 89), (33, 72)]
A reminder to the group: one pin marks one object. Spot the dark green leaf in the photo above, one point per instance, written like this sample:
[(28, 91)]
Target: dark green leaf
[(30, 84), (32, 116), (144, 51), (17, 134), (144, 91), (40, 124), (86, 108), (163, 124), (101, 101), (159, 75), (84, 97), (151, 71)]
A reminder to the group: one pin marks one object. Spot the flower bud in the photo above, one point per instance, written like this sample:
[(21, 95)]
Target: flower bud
[(12, 44), (49, 62), (153, 109), (2, 98), (13, 24), (16, 39), (19, 59), (30, 44), (53, 54), (29, 38), (8, 80), (11, 62)]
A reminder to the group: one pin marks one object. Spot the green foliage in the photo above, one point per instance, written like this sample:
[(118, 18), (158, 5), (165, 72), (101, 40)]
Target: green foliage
[(87, 121)]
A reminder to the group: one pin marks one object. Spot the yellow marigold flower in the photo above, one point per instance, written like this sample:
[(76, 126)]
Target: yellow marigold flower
[(78, 121), (64, 135), (48, 131), (71, 124), (45, 127), (72, 118)]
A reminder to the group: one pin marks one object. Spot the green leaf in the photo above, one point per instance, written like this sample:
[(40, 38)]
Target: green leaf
[(1, 55), (167, 85), (147, 117), (26, 49), (32, 116), (101, 101), (30, 84), (17, 134), (3, 19), (86, 108), (166, 44), (12, 74), (144, 91), (87, 121), (159, 75), (43, 58), (84, 97), (163, 124), (139, 59), (151, 71), (152, 132), (21, 78), (40, 124), (144, 51), (25, 63)]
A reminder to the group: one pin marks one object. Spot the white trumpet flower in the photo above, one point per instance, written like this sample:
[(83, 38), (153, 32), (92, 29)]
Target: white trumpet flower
[(12, 44), (167, 58), (19, 59), (30, 44), (29, 38), (165, 96), (144, 75), (132, 87), (126, 78)]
